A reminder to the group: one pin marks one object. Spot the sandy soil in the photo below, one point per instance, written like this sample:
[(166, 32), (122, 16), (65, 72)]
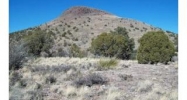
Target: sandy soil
[(128, 80)]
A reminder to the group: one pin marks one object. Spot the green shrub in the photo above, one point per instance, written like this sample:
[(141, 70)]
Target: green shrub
[(56, 29), (131, 26), (69, 32), (65, 43), (75, 51), (133, 55), (136, 28), (155, 47), (64, 29), (75, 39), (64, 34), (67, 37), (176, 42), (39, 41), (107, 64), (145, 28), (120, 31), (74, 27), (114, 44)]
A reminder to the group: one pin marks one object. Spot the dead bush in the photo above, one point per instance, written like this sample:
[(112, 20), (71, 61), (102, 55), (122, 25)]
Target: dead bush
[(90, 80)]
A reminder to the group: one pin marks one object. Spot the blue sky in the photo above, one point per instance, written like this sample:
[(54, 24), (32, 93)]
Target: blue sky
[(29, 13)]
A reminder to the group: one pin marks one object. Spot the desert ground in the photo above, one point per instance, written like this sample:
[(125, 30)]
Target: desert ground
[(64, 78)]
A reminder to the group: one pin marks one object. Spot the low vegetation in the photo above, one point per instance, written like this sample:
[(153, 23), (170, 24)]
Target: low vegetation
[(75, 51), (50, 80), (14, 77), (107, 64), (75, 78), (92, 79)]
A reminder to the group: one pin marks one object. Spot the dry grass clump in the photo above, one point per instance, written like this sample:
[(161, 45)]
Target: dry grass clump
[(107, 64), (72, 92), (176, 65), (172, 95), (72, 75), (113, 94), (150, 91), (26, 91), (90, 80), (125, 77), (67, 78), (14, 77), (23, 83), (62, 68), (145, 86), (15, 93), (34, 95), (52, 69)]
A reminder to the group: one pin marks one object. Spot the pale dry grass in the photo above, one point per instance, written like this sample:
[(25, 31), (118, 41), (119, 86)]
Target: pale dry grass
[(34, 86), (35, 73), (151, 91), (55, 61), (112, 94), (145, 86), (39, 78), (61, 60), (170, 95), (176, 65), (158, 89), (59, 89), (71, 91)]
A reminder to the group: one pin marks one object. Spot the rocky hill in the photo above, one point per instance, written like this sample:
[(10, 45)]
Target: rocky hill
[(80, 25)]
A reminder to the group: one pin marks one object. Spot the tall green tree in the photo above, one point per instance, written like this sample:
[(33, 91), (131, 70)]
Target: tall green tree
[(155, 47), (39, 41), (114, 44)]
